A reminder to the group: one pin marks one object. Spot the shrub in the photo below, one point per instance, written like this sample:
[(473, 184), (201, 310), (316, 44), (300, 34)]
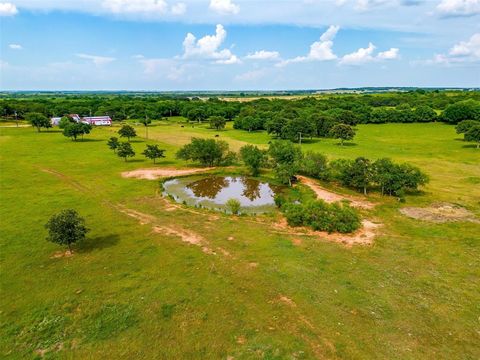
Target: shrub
[(233, 205), (321, 216), (314, 165)]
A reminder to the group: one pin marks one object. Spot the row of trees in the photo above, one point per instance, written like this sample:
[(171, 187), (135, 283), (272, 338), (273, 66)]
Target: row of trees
[(395, 107), (470, 130), (125, 150)]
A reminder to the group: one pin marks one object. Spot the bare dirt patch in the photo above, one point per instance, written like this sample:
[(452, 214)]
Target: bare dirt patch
[(185, 235), (61, 254), (154, 174), (440, 213), (330, 197), (287, 300), (363, 236)]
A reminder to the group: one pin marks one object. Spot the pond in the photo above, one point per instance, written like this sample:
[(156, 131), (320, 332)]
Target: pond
[(214, 191)]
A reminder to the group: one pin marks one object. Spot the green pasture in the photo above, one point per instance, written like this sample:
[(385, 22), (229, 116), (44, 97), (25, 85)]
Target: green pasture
[(130, 292)]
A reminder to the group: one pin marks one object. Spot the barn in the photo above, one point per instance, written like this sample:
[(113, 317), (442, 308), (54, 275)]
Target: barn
[(98, 120)]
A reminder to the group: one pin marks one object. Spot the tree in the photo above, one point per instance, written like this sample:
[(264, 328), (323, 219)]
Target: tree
[(38, 120), (64, 122), (233, 205), (145, 121), (473, 135), (424, 113), (465, 125), (153, 152), (286, 157), (359, 174), (462, 110), (315, 165), (125, 150), (253, 158), (207, 152), (66, 228), (74, 130), (127, 131), (217, 122), (342, 132), (298, 128), (113, 143)]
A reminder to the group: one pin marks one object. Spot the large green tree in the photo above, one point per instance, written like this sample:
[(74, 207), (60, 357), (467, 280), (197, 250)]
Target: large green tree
[(286, 158), (66, 228), (473, 135), (38, 120), (74, 130), (125, 150), (342, 132), (217, 122), (207, 152), (127, 131), (153, 152), (253, 157)]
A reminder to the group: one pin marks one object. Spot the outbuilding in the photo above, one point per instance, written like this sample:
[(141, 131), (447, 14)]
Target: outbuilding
[(97, 120)]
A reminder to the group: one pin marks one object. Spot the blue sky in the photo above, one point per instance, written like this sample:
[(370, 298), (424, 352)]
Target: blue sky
[(234, 44)]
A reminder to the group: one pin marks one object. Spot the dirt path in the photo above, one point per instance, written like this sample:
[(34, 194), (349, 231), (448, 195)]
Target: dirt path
[(154, 174), (331, 197)]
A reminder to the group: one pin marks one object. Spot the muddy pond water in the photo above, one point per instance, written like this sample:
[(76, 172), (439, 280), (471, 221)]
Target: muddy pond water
[(214, 191)]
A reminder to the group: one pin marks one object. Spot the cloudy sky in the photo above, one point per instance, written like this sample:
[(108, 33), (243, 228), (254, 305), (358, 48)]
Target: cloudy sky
[(237, 44)]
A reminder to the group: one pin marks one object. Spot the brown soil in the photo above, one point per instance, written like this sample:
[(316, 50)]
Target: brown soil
[(154, 174), (61, 254), (440, 213), (330, 197), (363, 236), (287, 301), (187, 236)]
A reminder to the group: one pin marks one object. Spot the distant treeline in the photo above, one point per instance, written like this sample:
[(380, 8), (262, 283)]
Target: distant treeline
[(314, 113)]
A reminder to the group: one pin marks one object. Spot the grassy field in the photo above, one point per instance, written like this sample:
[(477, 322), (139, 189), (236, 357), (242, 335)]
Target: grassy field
[(132, 292)]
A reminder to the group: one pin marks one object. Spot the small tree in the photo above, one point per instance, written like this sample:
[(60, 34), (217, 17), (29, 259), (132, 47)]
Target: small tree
[(38, 120), (125, 150), (127, 131), (233, 205), (217, 122), (315, 165), (113, 143), (207, 152), (74, 130), (146, 121), (473, 135), (359, 174), (253, 158), (153, 152), (66, 228), (342, 132)]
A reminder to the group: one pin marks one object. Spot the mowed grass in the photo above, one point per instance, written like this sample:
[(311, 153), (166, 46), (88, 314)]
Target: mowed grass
[(130, 292)]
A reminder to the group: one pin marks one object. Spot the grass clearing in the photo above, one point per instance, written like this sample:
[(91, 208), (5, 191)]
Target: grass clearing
[(130, 291)]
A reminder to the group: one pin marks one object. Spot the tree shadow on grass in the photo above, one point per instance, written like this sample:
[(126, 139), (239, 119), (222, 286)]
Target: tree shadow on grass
[(136, 160), (98, 243), (88, 140), (470, 146), (346, 144)]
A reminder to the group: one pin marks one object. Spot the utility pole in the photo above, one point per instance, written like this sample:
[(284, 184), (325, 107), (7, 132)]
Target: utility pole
[(146, 126), (300, 140), (16, 120)]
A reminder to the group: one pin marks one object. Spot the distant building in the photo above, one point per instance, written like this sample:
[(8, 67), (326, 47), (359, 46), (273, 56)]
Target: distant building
[(55, 120), (97, 120)]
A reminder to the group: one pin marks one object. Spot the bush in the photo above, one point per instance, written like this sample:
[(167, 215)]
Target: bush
[(233, 205), (314, 165), (207, 152), (319, 215)]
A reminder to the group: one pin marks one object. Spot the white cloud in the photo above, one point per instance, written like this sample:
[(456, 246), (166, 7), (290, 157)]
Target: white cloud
[(139, 7), (224, 7), (459, 7), (250, 75), (8, 9), (208, 47), (178, 8), (15, 46), (263, 55), (319, 50), (97, 60), (391, 54), (360, 56), (462, 52), (469, 48), (138, 56)]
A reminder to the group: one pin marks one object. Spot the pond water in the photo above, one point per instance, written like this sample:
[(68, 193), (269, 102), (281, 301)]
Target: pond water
[(214, 191)]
